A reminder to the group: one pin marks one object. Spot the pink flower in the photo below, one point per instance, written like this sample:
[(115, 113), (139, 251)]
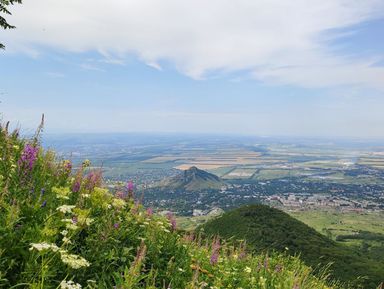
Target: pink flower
[(28, 157), (149, 212), (130, 186), (215, 251), (172, 220)]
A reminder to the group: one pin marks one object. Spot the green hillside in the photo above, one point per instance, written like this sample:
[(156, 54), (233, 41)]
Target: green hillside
[(61, 228), (268, 229)]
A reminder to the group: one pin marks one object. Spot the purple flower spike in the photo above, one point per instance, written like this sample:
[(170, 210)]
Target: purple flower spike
[(172, 220), (116, 225), (130, 186), (43, 204), (215, 251), (76, 186), (149, 212), (28, 157)]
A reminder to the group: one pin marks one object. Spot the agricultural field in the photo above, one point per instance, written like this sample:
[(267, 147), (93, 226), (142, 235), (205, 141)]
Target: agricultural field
[(240, 173), (233, 159), (340, 223)]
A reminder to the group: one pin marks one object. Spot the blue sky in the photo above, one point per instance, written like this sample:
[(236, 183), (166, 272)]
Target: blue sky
[(250, 67)]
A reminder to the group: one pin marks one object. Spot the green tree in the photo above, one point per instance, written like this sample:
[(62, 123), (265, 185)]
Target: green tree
[(4, 10)]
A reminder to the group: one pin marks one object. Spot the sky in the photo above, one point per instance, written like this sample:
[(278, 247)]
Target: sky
[(258, 67)]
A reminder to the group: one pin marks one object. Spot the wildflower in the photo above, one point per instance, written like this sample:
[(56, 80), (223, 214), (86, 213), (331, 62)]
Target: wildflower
[(66, 240), (172, 221), (67, 165), (118, 203), (130, 188), (69, 285), (43, 204), (247, 269), (71, 223), (65, 209), (135, 208), (84, 221), (121, 195), (76, 186), (215, 251), (86, 163), (262, 281), (43, 246), (74, 261), (266, 262), (64, 232), (61, 192), (71, 227), (140, 255), (116, 225), (278, 268), (74, 220), (28, 157), (149, 212), (93, 179)]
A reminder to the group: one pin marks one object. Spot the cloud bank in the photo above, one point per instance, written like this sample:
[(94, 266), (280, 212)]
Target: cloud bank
[(274, 41)]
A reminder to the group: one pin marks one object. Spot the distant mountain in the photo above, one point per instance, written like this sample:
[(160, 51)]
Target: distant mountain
[(266, 228), (193, 179)]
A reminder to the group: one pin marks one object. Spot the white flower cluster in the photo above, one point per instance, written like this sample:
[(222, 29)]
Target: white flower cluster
[(65, 208), (69, 224), (69, 285), (43, 246), (74, 261)]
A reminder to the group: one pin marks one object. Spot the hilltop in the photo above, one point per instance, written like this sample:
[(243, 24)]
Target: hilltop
[(268, 229), (193, 179)]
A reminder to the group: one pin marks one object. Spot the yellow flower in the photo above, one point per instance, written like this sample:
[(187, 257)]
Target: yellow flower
[(118, 203)]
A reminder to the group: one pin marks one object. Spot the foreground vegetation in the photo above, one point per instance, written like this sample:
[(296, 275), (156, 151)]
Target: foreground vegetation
[(267, 229), (62, 229)]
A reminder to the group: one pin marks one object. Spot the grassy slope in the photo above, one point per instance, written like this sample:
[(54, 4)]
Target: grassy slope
[(59, 227), (265, 228)]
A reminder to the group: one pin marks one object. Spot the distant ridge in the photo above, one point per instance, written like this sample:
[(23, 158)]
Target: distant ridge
[(193, 179)]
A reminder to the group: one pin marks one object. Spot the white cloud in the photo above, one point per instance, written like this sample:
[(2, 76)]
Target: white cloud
[(276, 40)]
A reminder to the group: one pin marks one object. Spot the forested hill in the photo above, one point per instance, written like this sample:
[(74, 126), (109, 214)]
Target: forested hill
[(268, 229)]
